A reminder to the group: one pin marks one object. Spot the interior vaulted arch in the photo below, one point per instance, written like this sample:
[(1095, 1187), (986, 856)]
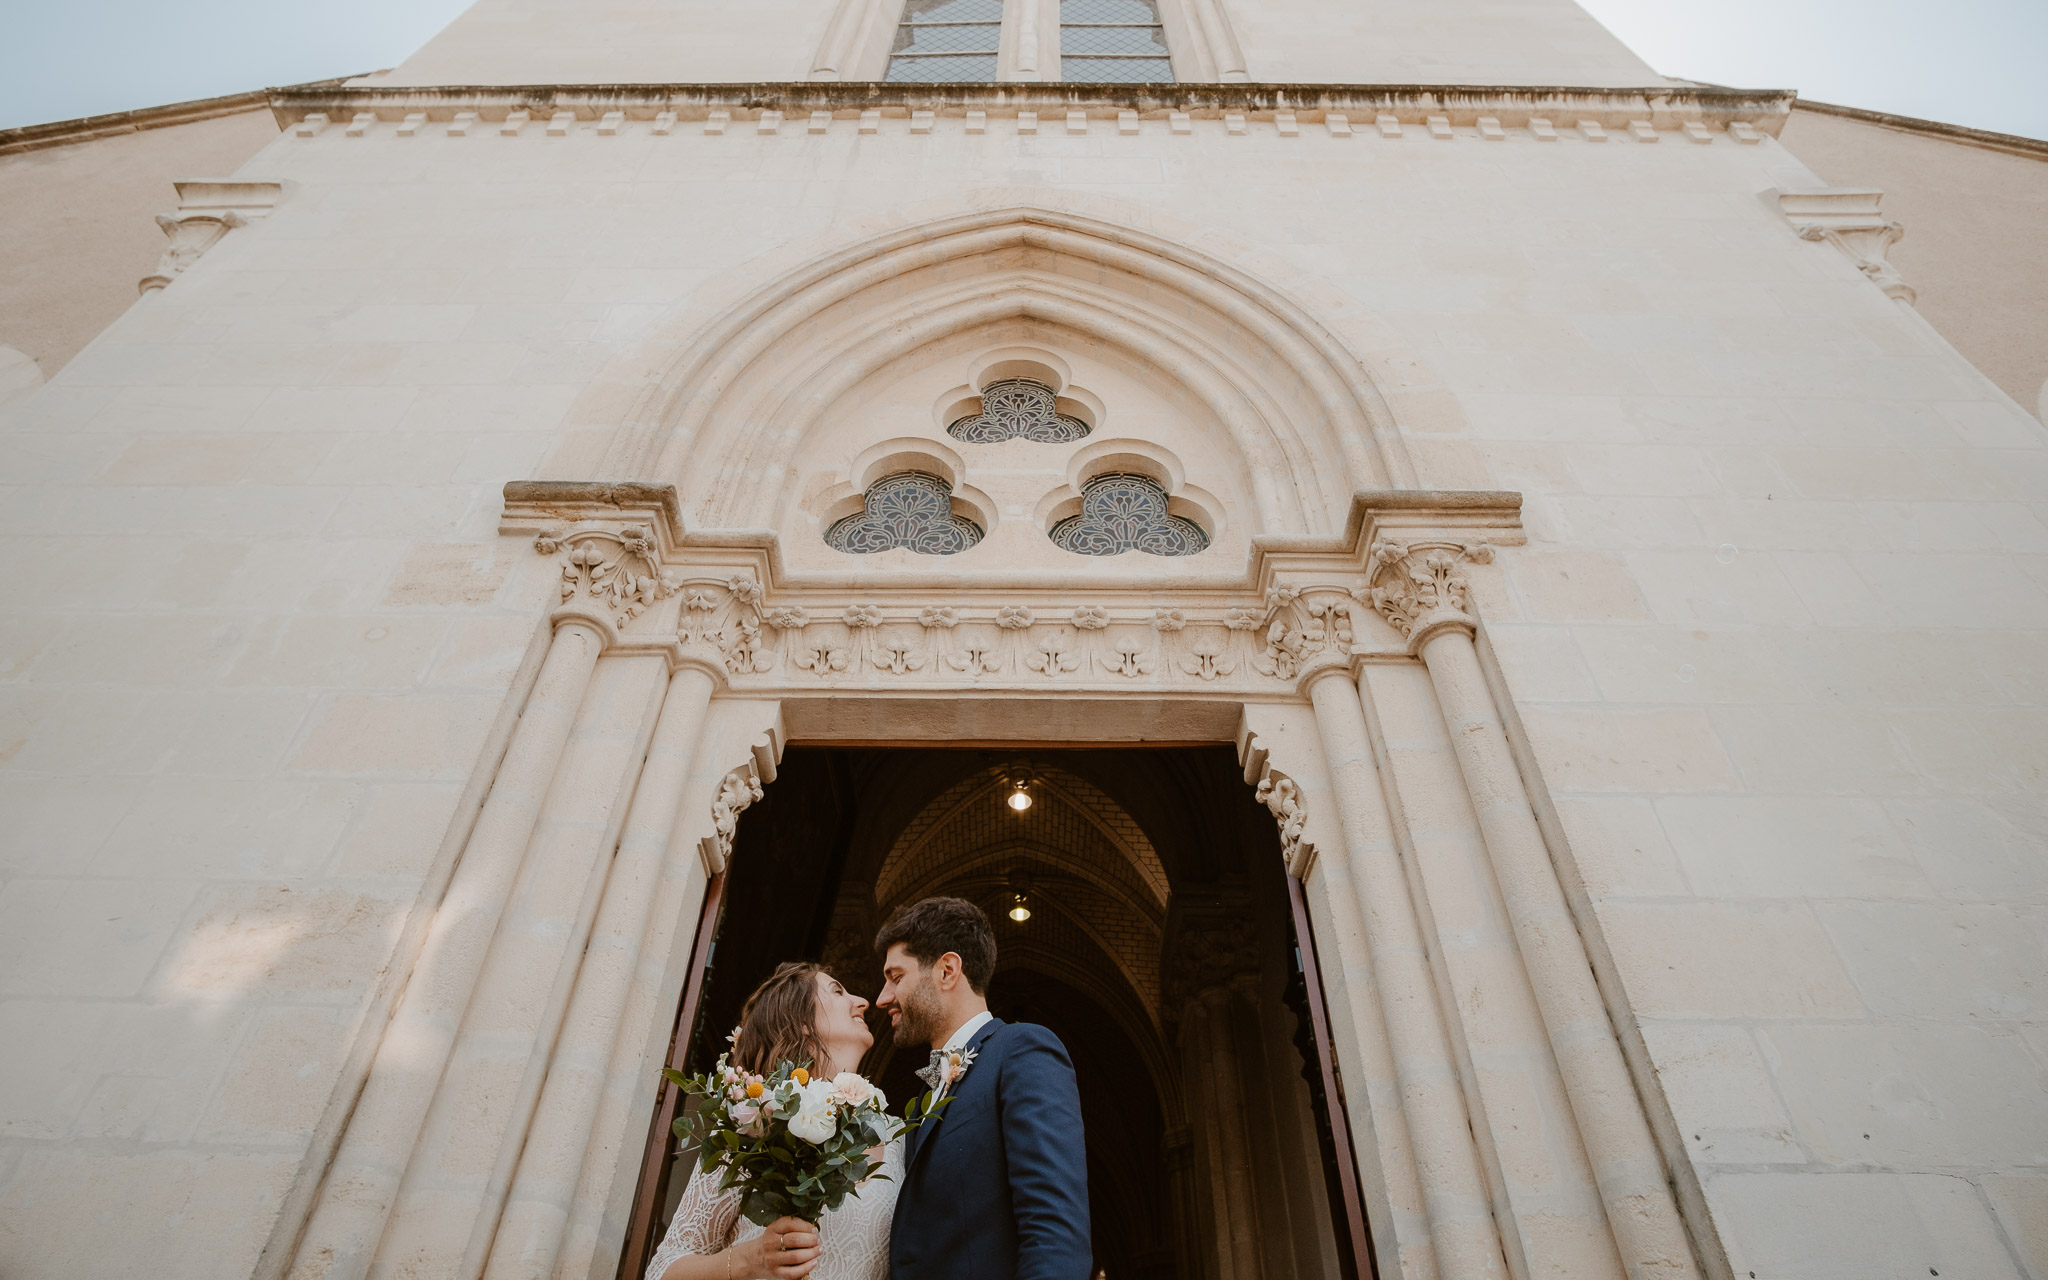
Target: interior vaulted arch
[(734, 408)]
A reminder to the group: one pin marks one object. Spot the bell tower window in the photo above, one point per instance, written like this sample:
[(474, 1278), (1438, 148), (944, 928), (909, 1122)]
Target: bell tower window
[(947, 41), (1114, 41)]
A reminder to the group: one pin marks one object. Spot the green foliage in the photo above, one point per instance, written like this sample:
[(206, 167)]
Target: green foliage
[(749, 1140)]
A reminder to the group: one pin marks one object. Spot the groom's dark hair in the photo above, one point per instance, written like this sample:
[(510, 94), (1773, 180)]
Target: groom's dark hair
[(931, 927)]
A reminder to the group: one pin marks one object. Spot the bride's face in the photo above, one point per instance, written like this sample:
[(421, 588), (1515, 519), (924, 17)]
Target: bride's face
[(843, 1033)]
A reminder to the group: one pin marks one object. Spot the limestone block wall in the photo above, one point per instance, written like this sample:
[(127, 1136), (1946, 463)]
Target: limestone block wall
[(1773, 647)]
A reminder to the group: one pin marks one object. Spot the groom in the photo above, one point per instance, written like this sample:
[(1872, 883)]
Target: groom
[(996, 1185)]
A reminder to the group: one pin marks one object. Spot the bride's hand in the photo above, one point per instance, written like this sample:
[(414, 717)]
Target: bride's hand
[(787, 1250)]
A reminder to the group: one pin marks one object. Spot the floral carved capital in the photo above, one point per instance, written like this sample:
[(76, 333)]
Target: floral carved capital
[(615, 573), (1421, 587)]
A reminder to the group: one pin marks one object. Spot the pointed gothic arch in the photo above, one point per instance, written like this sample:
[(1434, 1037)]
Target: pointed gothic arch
[(736, 402)]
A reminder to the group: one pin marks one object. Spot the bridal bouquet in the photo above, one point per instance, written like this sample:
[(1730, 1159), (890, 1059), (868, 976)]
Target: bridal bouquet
[(796, 1145)]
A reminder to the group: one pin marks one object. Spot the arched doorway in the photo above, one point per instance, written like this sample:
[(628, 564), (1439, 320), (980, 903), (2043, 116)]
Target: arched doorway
[(1156, 940)]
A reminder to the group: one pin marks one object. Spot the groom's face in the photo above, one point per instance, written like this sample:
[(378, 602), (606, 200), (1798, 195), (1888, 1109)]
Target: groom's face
[(915, 1005)]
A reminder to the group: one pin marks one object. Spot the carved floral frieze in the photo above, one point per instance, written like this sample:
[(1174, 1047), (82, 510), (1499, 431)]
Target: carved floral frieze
[(866, 640)]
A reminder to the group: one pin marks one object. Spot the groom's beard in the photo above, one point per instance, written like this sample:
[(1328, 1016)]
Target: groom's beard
[(923, 1013)]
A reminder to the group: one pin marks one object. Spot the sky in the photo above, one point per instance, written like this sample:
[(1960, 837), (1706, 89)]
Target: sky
[(1982, 63)]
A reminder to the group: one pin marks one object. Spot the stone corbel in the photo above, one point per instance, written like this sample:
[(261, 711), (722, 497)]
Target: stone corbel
[(1285, 798), (1848, 218), (207, 210), (737, 792)]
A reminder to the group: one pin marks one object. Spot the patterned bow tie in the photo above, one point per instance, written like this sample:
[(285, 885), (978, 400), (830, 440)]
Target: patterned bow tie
[(934, 1073)]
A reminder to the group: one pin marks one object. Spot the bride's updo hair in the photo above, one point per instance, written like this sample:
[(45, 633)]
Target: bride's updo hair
[(779, 1022)]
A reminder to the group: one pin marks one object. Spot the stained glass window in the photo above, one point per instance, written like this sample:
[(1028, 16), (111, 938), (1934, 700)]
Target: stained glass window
[(911, 510), (1120, 513), (942, 41), (1118, 41), (1018, 409)]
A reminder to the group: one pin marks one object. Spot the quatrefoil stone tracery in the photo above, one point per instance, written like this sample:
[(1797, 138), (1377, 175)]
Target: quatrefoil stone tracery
[(1122, 513), (910, 510), (1018, 409)]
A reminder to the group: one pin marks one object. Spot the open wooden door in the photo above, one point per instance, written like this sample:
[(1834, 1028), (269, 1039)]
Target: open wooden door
[(1352, 1230)]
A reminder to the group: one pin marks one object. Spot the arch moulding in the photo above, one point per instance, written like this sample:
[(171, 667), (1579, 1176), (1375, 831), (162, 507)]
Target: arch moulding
[(743, 382)]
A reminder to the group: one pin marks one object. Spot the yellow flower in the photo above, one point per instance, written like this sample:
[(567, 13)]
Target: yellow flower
[(756, 1089), (800, 1075)]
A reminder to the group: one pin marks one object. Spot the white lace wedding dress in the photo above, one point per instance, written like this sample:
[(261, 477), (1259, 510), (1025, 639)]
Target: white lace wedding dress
[(854, 1238)]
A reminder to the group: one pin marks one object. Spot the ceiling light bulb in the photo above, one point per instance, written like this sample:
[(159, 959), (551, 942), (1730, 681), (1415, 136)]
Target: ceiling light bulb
[(1020, 913), (1020, 799)]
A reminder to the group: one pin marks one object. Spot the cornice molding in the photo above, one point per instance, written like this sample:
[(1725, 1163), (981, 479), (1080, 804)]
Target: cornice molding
[(2010, 143), (1502, 106), (60, 133)]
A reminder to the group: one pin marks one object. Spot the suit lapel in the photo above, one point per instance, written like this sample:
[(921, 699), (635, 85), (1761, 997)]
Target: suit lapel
[(925, 1135)]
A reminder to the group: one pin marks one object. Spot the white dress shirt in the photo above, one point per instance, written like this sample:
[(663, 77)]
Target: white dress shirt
[(958, 1040)]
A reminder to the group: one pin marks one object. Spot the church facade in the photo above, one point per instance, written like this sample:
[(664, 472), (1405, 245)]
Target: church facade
[(1487, 660)]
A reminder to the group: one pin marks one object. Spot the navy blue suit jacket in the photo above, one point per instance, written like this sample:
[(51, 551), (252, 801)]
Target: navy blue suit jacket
[(996, 1186)]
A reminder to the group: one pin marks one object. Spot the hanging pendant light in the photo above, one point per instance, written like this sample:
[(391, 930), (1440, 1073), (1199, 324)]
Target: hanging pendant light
[(1020, 896)]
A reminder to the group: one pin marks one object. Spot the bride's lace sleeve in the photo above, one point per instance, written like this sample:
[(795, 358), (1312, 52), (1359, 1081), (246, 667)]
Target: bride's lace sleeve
[(705, 1221)]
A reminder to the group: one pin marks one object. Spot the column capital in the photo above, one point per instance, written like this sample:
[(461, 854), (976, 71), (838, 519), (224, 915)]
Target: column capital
[(1420, 586), (700, 655), (609, 575), (1207, 945)]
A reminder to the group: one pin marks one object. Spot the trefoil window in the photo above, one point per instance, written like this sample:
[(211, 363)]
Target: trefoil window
[(1113, 41), (910, 510), (947, 41), (1122, 512), (1018, 409)]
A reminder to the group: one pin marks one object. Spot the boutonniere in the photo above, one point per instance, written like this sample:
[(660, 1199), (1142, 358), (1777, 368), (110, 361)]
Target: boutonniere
[(947, 1069)]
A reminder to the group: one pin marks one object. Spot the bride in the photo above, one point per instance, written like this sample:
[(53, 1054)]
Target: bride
[(800, 1014)]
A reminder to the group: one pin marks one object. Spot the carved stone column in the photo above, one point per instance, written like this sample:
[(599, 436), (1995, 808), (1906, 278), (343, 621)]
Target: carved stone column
[(1453, 1185), (530, 1233), (460, 1169), (609, 576), (1176, 1150), (1421, 588), (362, 1182), (1208, 949)]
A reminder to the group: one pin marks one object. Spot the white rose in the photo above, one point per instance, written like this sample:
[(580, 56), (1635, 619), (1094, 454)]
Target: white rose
[(851, 1088), (814, 1124), (815, 1120)]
